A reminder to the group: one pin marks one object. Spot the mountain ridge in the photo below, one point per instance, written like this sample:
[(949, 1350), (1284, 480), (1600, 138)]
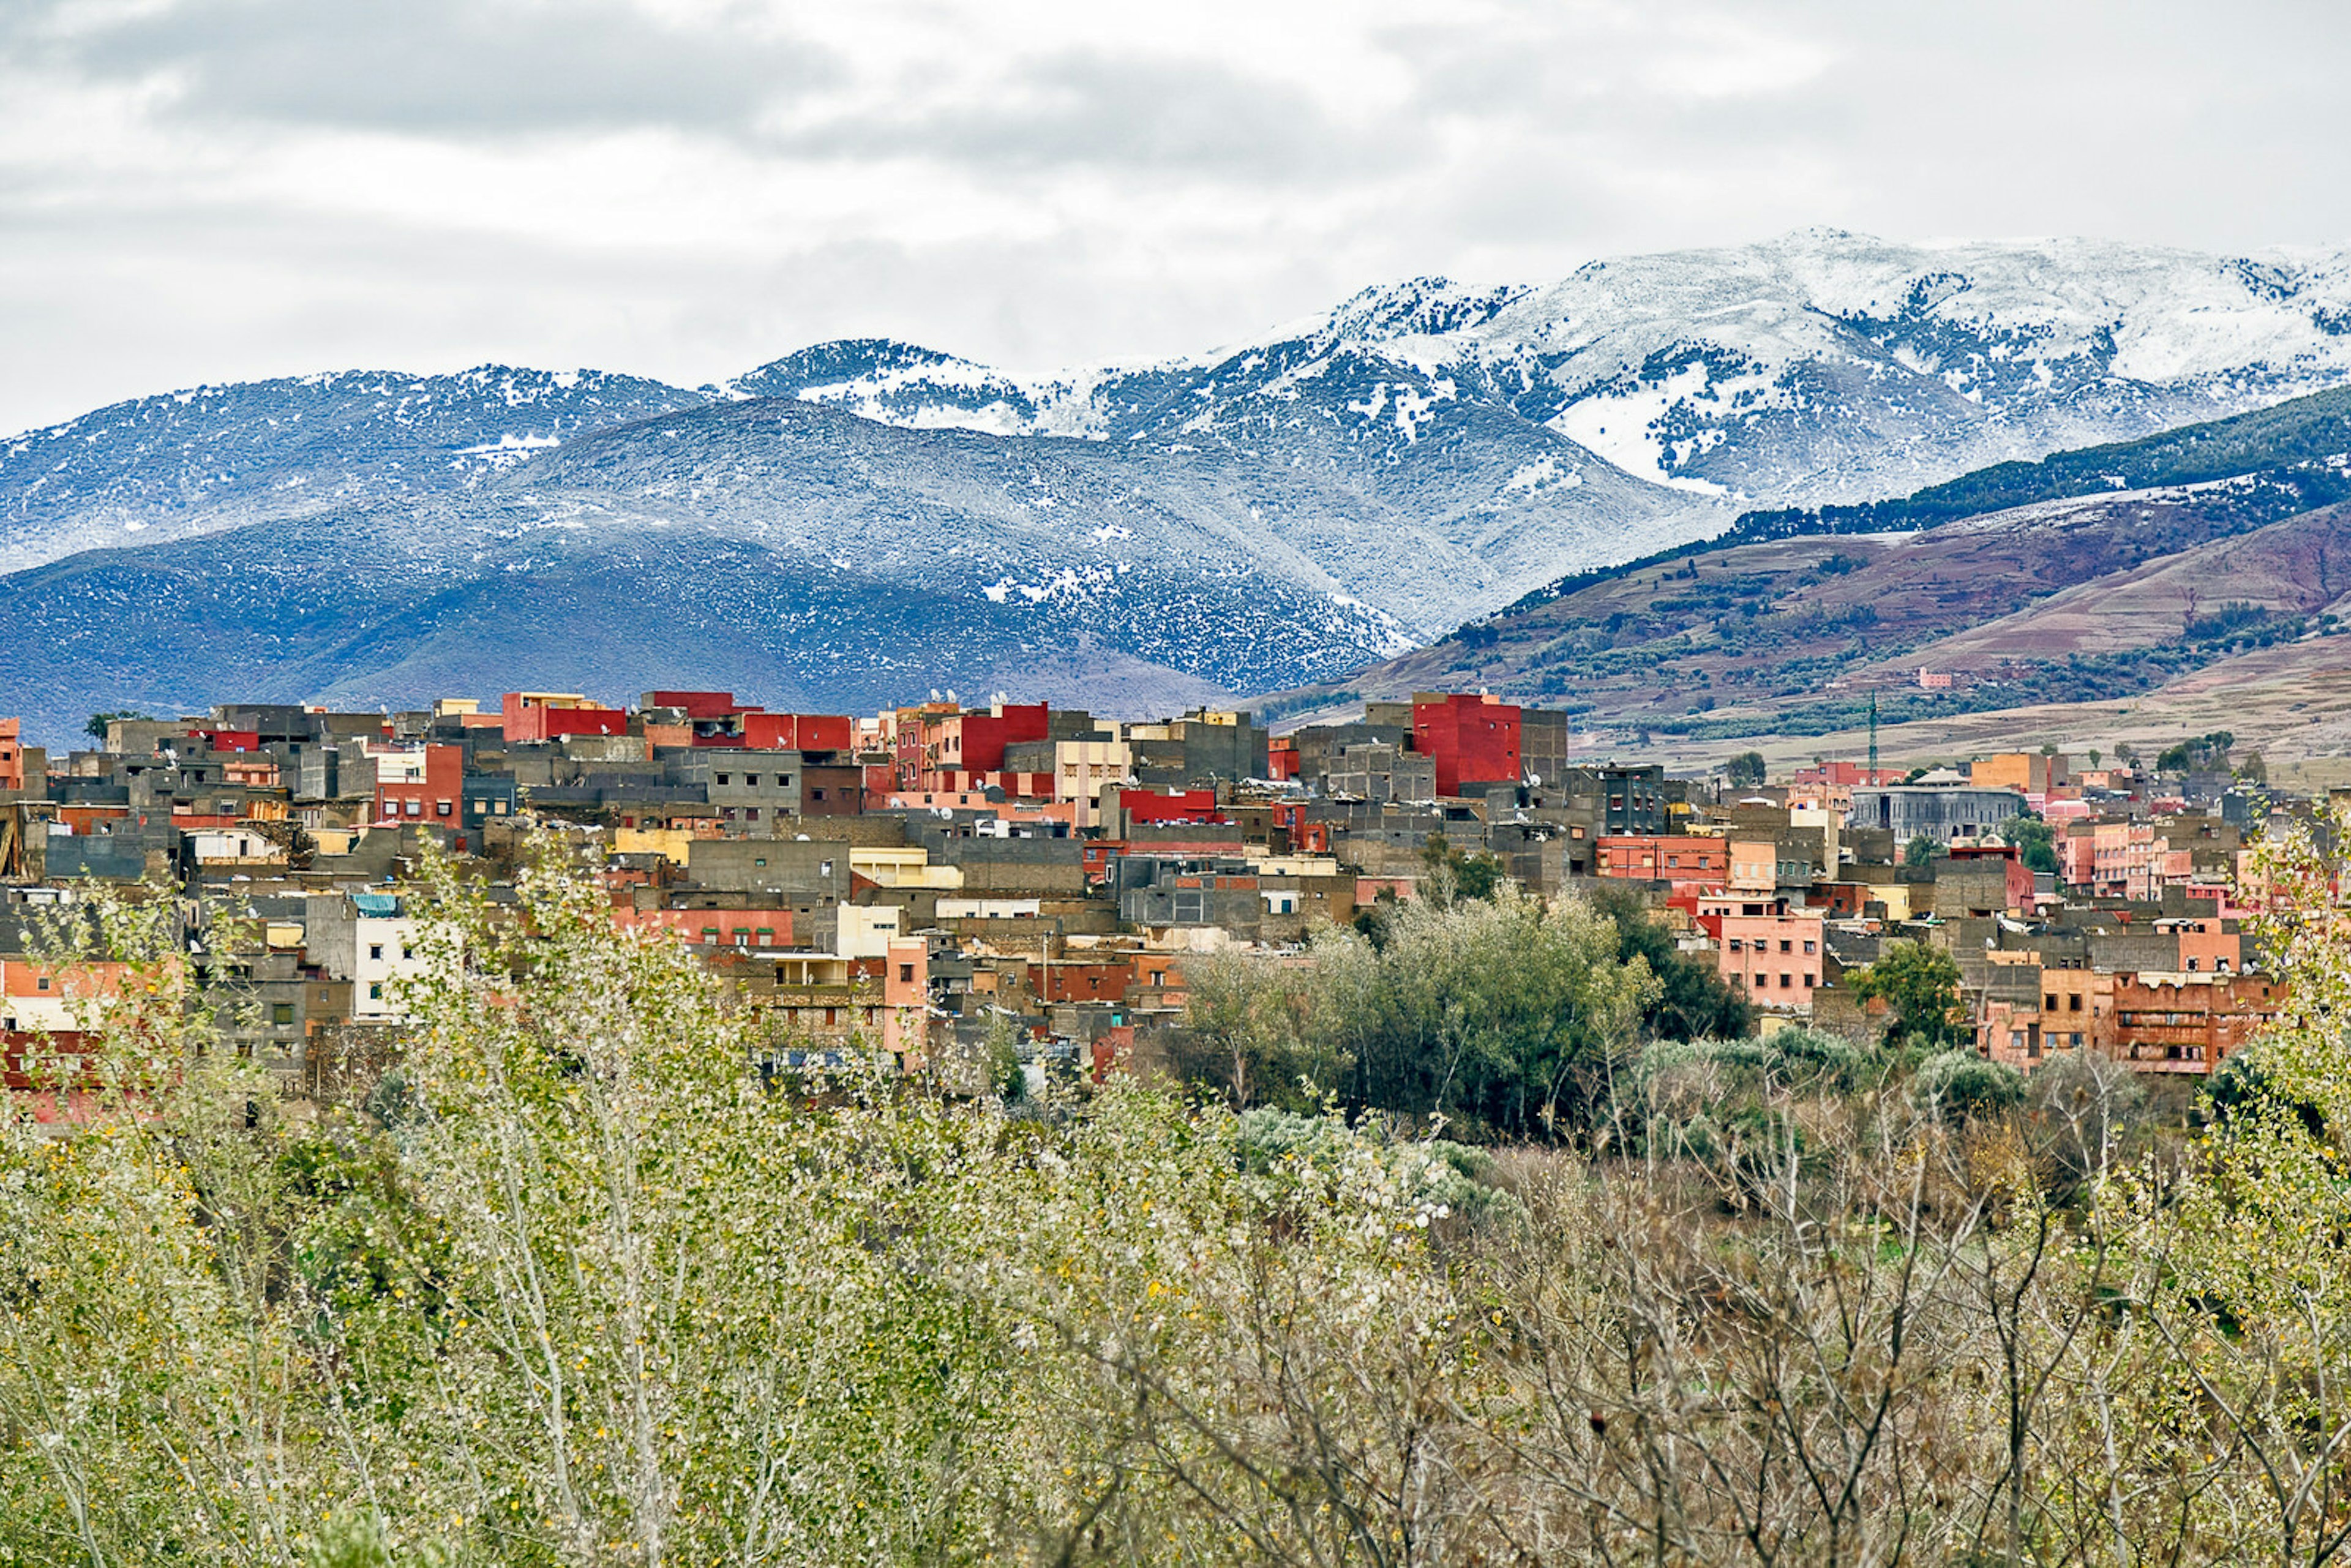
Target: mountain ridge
[(1250, 519)]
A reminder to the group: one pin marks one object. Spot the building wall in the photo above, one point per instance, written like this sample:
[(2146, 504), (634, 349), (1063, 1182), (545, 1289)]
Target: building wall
[(1471, 739)]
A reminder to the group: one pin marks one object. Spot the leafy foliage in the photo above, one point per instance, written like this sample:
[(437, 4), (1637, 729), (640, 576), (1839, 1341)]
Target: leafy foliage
[(1921, 986)]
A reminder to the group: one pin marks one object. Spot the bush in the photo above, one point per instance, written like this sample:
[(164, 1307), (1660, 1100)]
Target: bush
[(1963, 1086)]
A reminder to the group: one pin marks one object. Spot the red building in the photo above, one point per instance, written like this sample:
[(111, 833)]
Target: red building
[(551, 715), (798, 731), (422, 787), (1152, 807), (1473, 739), (694, 705), (975, 742)]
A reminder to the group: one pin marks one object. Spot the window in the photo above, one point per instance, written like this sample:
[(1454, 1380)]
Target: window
[(724, 778), (710, 935), (761, 861), (1786, 945), (2049, 1003), (408, 950), (281, 1014), (819, 794), (906, 974), (501, 808), (375, 990), (1736, 946), (375, 952), (742, 937), (1810, 981), (751, 780), (43, 984), (441, 807), (824, 868), (1812, 947), (416, 808), (750, 813), (2074, 1005), (1787, 981), (766, 936)]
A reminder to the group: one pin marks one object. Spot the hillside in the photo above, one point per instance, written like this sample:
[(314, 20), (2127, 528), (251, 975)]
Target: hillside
[(2114, 597)]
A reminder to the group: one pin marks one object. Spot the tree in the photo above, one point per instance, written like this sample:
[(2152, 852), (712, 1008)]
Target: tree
[(1505, 1014), (2036, 840), (2253, 769), (95, 725), (2093, 755), (1693, 1001), (1254, 1033), (1450, 874), (1747, 769), (1920, 851), (1921, 986)]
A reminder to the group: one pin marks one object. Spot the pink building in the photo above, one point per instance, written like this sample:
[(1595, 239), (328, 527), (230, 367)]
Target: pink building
[(1767, 949)]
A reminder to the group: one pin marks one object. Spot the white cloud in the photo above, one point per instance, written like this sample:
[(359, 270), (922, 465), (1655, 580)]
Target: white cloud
[(211, 189)]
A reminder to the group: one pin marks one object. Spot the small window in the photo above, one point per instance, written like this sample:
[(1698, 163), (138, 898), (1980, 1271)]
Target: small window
[(281, 1014), (416, 808), (441, 809), (710, 935), (407, 950), (750, 813), (760, 861), (375, 991), (375, 952), (501, 808), (819, 794), (906, 974), (767, 935), (750, 780), (824, 868), (43, 983), (722, 778)]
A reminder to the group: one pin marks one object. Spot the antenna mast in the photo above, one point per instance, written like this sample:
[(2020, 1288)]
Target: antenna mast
[(1873, 739)]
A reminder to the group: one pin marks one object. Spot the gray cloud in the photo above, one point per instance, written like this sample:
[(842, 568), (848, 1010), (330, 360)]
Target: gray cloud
[(435, 66), (1085, 109), (1054, 183)]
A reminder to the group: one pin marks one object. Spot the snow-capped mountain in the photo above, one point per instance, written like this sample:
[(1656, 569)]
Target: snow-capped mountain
[(212, 457), (1823, 366), (874, 513)]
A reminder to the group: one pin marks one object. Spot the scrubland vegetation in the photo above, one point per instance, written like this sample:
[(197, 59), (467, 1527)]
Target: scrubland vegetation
[(1461, 1259)]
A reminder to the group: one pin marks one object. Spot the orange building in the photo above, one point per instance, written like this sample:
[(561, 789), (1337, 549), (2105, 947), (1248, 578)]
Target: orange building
[(2187, 1023), (1679, 859)]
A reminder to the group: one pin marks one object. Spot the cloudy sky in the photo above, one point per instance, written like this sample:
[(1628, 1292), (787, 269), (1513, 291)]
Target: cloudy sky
[(211, 190)]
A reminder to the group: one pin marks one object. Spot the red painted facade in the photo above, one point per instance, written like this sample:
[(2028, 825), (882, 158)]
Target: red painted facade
[(439, 798), (527, 719), (1472, 739), (1152, 807)]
